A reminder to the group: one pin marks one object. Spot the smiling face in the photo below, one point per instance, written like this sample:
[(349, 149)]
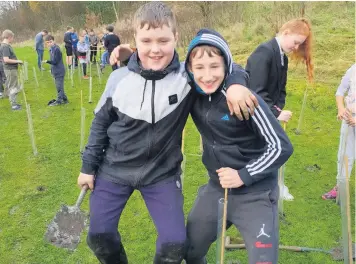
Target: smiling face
[(155, 46), (208, 67), (290, 41)]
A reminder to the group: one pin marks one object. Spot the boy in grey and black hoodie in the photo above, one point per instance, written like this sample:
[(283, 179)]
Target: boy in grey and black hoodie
[(243, 156)]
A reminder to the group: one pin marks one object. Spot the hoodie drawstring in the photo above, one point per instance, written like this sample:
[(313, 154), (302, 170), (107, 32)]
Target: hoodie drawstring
[(143, 95)]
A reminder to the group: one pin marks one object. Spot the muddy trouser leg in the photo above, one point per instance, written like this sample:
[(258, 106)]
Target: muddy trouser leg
[(202, 224), (164, 201), (256, 217), (107, 202), (12, 85)]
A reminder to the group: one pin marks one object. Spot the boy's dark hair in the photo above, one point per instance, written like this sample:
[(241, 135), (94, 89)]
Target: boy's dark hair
[(201, 49), (155, 14), (49, 38), (45, 31), (110, 28), (91, 30), (69, 28)]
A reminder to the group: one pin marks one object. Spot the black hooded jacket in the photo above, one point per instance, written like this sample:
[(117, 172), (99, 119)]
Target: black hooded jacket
[(256, 148)]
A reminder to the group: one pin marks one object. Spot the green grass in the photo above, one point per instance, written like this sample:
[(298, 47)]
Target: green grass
[(25, 211)]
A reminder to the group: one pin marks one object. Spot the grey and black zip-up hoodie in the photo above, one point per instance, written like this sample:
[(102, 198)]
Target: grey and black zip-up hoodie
[(135, 137), (256, 148)]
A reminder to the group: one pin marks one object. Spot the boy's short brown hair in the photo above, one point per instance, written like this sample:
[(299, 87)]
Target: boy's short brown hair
[(155, 14), (210, 50), (110, 28), (7, 33)]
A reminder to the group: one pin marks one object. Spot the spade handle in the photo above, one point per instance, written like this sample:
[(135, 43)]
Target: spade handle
[(81, 196)]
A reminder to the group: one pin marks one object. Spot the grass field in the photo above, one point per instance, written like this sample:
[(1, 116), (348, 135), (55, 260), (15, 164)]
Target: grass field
[(26, 209)]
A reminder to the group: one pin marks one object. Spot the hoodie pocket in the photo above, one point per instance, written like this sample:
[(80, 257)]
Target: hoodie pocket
[(230, 156)]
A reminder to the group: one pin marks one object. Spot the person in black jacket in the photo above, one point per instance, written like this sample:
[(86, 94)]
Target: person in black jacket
[(57, 70), (111, 42), (268, 66), (68, 45), (243, 156)]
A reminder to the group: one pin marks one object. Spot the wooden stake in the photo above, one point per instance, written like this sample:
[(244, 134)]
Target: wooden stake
[(90, 89), (30, 130), (223, 229)]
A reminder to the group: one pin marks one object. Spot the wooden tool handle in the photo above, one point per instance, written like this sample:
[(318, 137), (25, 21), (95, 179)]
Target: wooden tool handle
[(81, 196), (223, 229)]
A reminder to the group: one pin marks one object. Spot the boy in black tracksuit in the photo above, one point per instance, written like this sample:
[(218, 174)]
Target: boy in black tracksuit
[(243, 156)]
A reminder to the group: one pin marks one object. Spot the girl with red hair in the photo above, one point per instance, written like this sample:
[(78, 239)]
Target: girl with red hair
[(268, 66)]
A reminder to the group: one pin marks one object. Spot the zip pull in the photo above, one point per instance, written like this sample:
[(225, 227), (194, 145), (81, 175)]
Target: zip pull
[(209, 98)]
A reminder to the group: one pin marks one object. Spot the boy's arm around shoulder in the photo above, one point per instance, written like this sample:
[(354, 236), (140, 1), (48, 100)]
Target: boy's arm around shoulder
[(240, 100), (277, 150), (98, 137), (238, 76)]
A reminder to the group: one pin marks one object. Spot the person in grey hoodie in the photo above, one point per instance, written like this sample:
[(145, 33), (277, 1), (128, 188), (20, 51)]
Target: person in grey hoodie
[(241, 157), (39, 47)]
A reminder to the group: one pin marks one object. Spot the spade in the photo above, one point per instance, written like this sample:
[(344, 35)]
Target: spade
[(65, 229)]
